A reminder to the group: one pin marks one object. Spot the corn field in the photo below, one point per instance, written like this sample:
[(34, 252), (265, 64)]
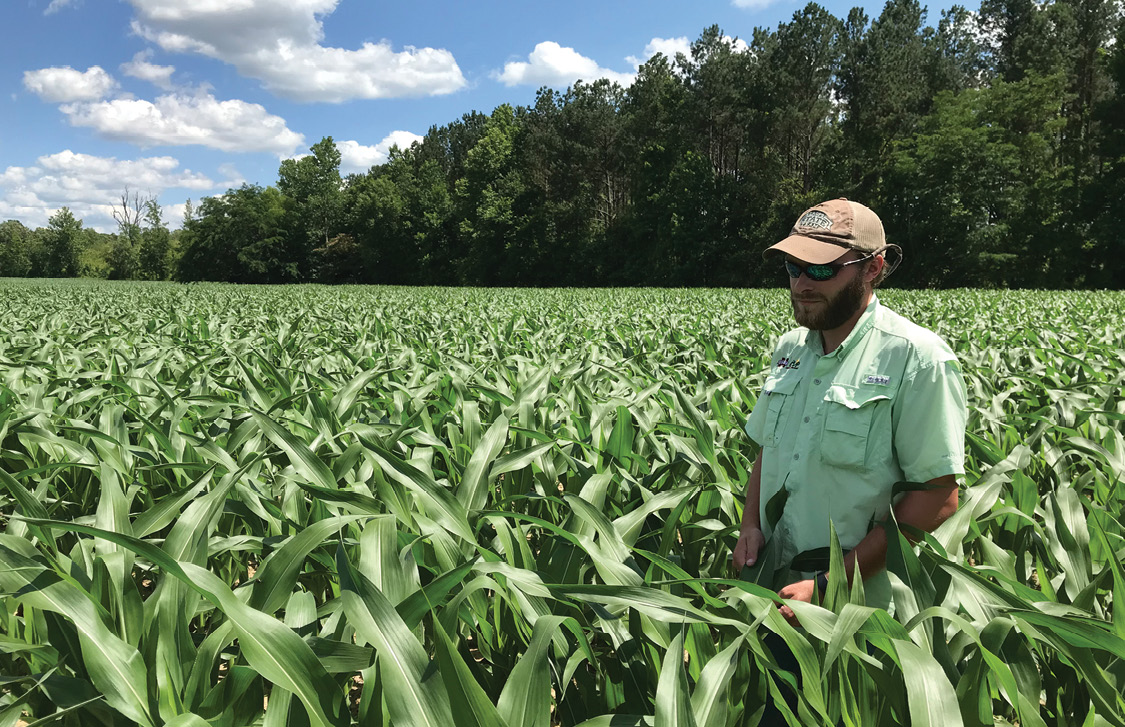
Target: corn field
[(376, 506)]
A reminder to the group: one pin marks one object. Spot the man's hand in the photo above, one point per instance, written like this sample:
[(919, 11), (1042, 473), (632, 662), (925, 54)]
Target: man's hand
[(799, 591), (750, 541)]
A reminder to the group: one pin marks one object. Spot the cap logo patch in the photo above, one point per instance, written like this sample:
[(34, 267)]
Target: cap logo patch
[(815, 219)]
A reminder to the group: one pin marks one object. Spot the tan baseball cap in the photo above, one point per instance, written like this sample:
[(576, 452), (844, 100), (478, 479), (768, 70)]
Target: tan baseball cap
[(825, 232)]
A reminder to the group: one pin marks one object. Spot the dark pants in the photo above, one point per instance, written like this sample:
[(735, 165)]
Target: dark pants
[(787, 661)]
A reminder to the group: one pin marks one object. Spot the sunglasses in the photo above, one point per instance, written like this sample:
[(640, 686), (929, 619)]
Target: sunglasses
[(820, 273)]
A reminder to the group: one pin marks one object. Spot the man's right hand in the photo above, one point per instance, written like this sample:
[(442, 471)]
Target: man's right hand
[(750, 541)]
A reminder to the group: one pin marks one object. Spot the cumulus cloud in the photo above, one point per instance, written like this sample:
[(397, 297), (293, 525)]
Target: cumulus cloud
[(88, 185), (278, 42), (671, 46), (551, 64), (178, 119), (355, 157), (668, 46), (65, 84), (140, 67), (174, 214)]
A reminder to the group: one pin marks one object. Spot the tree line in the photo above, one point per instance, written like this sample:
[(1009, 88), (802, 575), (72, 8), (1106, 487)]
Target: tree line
[(992, 146), (142, 249)]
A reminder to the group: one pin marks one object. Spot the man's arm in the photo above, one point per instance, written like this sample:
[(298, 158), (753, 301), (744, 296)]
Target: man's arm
[(922, 509), (750, 538)]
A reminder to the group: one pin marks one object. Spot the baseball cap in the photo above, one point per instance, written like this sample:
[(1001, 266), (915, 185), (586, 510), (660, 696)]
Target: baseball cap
[(828, 230)]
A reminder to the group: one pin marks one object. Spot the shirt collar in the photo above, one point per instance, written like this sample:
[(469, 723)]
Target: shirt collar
[(862, 326)]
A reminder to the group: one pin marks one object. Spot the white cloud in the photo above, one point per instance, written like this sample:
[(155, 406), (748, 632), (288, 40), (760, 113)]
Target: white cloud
[(57, 5), (180, 119), (738, 45), (355, 157), (174, 215), (88, 185), (140, 67), (64, 85), (668, 46), (752, 4), (551, 64), (278, 42)]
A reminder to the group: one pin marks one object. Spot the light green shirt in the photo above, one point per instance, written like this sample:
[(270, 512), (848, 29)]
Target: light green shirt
[(838, 431)]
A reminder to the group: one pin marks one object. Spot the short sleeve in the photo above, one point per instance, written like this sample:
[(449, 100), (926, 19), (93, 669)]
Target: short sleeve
[(930, 412), (756, 423)]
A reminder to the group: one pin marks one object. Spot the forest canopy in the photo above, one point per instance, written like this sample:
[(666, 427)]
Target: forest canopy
[(992, 144)]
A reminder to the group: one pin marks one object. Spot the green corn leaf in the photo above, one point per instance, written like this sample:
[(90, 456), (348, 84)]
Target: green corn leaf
[(303, 459), (467, 699), (526, 698), (1114, 565), (115, 667), (187, 720), (514, 461), (473, 490), (414, 693), (928, 692), (162, 514), (709, 700), (445, 509), (275, 651), (30, 506), (673, 697), (277, 576), (620, 445), (420, 602)]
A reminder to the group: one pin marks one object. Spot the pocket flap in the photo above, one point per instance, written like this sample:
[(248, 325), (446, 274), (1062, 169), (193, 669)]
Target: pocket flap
[(853, 397), (782, 384)]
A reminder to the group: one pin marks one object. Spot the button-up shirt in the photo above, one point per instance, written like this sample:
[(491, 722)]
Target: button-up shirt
[(837, 431)]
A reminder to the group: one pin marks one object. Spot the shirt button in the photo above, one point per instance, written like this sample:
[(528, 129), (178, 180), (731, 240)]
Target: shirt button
[(806, 420), (796, 456), (816, 381)]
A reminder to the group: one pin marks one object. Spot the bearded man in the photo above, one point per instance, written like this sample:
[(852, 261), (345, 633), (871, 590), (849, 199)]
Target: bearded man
[(857, 400)]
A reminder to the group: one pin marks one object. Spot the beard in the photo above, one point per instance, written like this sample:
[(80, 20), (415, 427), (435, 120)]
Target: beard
[(835, 311)]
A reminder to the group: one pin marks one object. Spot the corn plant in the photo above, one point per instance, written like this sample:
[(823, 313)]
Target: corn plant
[(375, 506)]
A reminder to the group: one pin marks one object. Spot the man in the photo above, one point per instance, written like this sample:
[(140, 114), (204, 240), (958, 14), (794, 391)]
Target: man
[(857, 399)]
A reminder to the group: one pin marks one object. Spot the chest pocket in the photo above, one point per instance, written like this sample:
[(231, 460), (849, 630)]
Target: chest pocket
[(780, 392), (852, 424)]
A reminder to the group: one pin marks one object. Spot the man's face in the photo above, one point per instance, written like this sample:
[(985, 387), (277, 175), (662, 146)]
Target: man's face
[(828, 304)]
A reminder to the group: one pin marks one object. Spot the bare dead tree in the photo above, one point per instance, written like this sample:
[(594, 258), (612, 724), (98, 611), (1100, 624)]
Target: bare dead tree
[(125, 256), (128, 212)]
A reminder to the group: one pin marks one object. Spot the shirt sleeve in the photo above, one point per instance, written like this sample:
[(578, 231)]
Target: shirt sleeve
[(756, 423), (755, 426), (930, 412)]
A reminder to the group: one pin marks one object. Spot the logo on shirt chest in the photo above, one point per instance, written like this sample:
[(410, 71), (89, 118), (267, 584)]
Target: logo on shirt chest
[(878, 379), (788, 363)]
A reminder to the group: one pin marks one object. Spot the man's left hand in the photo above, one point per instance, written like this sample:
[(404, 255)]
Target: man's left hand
[(799, 591)]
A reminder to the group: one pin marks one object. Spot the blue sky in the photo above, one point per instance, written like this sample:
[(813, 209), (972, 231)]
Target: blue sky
[(186, 98)]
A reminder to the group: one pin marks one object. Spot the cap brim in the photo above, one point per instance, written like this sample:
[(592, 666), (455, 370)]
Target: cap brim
[(807, 249)]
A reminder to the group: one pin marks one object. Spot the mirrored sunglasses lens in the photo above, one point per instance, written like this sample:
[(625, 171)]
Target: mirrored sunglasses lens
[(794, 269), (820, 272)]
